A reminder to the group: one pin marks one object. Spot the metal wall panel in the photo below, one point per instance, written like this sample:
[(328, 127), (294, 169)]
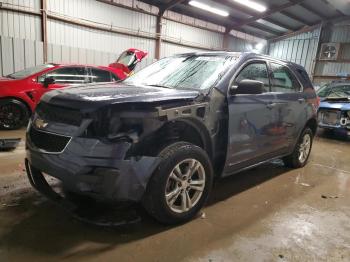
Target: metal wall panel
[(300, 49), (239, 45), (188, 34), (17, 54), (81, 37), (14, 24), (327, 70), (169, 49), (104, 14), (7, 55)]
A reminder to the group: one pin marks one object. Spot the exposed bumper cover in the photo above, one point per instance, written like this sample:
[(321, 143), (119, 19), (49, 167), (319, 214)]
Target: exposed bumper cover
[(93, 168)]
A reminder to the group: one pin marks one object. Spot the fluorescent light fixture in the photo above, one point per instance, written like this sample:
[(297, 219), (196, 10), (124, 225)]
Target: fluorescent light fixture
[(252, 4), (208, 8)]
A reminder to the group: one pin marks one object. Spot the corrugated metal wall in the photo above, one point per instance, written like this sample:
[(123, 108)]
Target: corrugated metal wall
[(300, 49), (326, 71), (17, 54), (76, 43), (188, 34), (17, 25)]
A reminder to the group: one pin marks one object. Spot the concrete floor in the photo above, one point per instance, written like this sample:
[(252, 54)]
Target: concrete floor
[(269, 213)]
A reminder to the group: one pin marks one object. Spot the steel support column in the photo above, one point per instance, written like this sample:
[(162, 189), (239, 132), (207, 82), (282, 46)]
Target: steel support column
[(44, 28)]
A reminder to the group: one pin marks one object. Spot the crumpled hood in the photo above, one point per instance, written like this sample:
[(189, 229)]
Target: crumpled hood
[(335, 105), (113, 93)]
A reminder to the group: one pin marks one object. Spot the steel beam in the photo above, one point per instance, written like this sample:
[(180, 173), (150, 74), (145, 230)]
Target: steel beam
[(43, 5)]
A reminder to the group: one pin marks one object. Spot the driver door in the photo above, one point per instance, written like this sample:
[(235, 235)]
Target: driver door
[(249, 115)]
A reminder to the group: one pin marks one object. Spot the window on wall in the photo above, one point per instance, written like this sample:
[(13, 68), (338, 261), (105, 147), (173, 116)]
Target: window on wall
[(282, 79), (67, 75), (255, 71)]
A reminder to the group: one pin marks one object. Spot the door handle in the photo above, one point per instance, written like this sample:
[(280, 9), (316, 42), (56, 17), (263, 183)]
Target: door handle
[(271, 105), (301, 100)]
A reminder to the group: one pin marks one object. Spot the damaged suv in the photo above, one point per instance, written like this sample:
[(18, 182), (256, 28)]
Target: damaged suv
[(163, 135)]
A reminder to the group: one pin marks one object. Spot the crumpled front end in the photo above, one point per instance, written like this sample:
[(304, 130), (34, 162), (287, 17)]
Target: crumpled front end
[(86, 156), (330, 118)]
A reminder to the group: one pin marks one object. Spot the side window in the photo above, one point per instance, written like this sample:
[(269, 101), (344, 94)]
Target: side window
[(99, 75), (282, 80), (67, 75), (255, 71)]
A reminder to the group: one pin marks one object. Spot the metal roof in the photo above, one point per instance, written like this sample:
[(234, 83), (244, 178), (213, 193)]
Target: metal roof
[(281, 16)]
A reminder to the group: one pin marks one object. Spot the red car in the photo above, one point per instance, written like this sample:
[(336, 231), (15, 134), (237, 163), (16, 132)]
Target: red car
[(21, 91)]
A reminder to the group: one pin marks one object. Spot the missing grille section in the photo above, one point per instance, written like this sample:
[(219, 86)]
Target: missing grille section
[(48, 142)]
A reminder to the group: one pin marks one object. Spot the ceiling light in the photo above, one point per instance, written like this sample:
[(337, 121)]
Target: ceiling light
[(253, 5), (208, 8)]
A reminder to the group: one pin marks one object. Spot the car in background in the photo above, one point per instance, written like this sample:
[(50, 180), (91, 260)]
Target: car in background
[(21, 91), (334, 110), (162, 135)]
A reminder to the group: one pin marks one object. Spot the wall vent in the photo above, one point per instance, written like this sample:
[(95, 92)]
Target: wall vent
[(329, 51)]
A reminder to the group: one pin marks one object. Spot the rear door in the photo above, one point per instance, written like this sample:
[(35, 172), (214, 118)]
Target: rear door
[(248, 117), (289, 106)]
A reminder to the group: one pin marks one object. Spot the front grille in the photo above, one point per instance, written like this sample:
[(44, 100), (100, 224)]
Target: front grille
[(48, 142), (59, 114)]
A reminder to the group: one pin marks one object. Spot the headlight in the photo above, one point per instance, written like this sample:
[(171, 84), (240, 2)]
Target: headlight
[(348, 113)]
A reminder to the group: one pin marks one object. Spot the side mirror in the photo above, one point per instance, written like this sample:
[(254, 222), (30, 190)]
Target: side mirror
[(247, 87), (48, 81)]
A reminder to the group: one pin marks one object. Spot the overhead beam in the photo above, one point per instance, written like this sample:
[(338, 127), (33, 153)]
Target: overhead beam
[(219, 21), (169, 5), (308, 28), (283, 25), (313, 11), (253, 13), (296, 18), (269, 12), (264, 28)]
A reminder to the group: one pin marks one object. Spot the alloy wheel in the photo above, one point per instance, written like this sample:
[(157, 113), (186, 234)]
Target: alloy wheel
[(304, 148), (185, 185)]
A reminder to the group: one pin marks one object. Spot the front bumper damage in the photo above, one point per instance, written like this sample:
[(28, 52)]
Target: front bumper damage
[(91, 167)]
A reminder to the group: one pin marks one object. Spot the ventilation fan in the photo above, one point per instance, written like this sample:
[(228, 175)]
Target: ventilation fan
[(329, 51)]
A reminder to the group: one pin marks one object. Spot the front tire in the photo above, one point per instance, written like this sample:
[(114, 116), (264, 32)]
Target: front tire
[(13, 114), (302, 150), (181, 184)]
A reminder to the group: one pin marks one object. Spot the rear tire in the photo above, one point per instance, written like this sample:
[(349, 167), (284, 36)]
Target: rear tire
[(181, 184), (302, 150), (13, 114)]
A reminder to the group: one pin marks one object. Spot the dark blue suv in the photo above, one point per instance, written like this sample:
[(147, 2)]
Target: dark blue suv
[(162, 136)]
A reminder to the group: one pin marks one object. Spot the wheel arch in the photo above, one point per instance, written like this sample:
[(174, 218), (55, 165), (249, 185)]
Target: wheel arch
[(30, 111)]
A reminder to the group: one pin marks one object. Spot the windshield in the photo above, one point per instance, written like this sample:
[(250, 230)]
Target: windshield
[(324, 90), (340, 91), (29, 71), (184, 72)]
